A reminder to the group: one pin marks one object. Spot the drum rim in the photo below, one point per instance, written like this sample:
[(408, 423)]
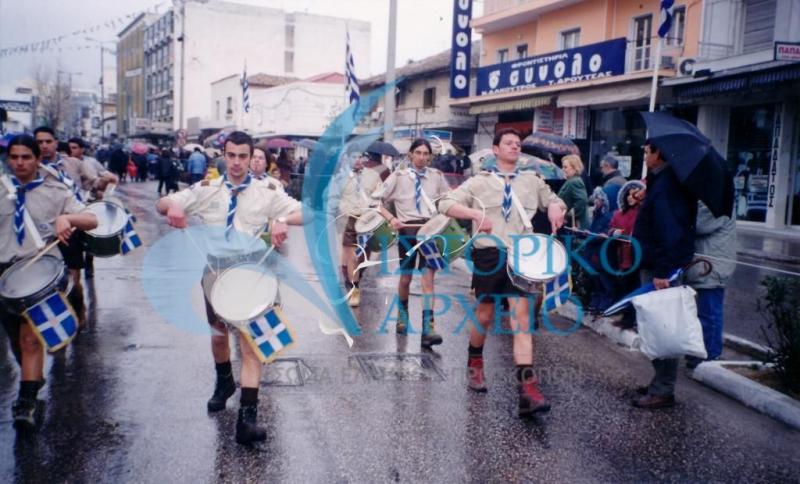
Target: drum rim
[(117, 230), (53, 279), (516, 274), (361, 223), (435, 228), (238, 265)]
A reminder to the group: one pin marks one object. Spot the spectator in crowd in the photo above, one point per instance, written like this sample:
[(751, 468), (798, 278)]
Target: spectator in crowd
[(573, 192), (196, 166), (714, 237), (612, 179), (118, 162)]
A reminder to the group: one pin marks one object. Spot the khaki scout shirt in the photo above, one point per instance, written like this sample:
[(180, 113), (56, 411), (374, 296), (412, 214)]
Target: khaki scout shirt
[(44, 203), (256, 206), (400, 188), (353, 201), (94, 169), (80, 174), (531, 190)]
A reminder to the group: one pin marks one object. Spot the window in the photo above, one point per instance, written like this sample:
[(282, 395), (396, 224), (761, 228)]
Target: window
[(570, 39), (216, 115), (502, 55), (641, 42), (522, 51), (759, 25), (229, 108), (399, 96), (290, 36), (676, 33), (288, 62), (429, 98)]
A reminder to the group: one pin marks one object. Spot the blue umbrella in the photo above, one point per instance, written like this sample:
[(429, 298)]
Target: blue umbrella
[(627, 300), (698, 166), (550, 143)]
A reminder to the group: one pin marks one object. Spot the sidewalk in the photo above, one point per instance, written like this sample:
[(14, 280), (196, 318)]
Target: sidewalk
[(773, 245)]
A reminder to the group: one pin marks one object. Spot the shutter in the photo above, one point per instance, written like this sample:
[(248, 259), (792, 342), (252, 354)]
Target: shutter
[(759, 25)]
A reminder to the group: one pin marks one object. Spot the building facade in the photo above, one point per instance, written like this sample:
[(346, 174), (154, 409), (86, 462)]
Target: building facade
[(131, 75), (745, 87), (581, 69), (184, 54)]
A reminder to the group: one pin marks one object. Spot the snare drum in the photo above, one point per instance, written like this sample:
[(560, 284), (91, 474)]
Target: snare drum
[(243, 292), (380, 231), (22, 288), (541, 259), (106, 239), (450, 237)]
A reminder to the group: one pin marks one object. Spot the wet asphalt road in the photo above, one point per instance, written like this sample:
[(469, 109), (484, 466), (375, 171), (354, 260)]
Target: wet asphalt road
[(126, 402)]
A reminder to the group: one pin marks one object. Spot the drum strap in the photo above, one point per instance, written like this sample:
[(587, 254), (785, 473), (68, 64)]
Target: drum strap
[(517, 204)]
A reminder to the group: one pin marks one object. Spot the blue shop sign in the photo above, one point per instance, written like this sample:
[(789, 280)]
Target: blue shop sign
[(585, 63)]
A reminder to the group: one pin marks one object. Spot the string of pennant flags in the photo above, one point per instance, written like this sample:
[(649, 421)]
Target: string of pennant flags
[(55, 43)]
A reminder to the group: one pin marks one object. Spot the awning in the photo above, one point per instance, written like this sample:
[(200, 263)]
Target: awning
[(725, 84), (516, 105), (604, 95)]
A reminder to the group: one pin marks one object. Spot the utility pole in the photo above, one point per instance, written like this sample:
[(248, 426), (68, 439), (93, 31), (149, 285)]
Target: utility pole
[(182, 40), (388, 103), (102, 82)]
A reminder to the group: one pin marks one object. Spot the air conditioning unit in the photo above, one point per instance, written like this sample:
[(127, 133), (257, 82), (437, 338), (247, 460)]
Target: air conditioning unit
[(667, 62), (686, 65)]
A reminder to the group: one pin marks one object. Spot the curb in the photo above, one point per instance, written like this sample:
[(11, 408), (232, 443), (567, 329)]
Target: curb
[(754, 395), (770, 256), (747, 347), (603, 326)]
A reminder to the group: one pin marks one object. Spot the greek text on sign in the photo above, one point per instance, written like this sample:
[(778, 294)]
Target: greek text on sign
[(787, 51), (17, 106), (461, 49), (588, 62)]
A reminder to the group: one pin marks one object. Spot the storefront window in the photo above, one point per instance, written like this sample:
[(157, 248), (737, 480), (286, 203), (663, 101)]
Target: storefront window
[(619, 133), (795, 215), (749, 149)]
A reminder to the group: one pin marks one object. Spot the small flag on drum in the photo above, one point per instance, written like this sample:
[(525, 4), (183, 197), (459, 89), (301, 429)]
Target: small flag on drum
[(433, 258), (268, 335), (54, 322), (556, 292), (130, 239), (361, 243)]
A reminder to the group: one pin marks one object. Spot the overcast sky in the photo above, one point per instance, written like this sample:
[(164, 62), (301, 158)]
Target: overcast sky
[(423, 29)]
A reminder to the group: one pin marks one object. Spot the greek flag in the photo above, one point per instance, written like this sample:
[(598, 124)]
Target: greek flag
[(350, 72), (433, 258), (268, 335), (130, 239), (245, 91), (53, 321), (556, 292), (666, 18)]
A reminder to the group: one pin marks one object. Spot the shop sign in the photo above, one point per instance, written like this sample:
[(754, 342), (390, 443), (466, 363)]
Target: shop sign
[(16, 106), (460, 49), (787, 51), (776, 149), (585, 63)]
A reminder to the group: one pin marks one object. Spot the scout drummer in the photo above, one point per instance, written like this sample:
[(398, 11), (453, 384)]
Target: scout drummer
[(413, 191), (355, 200), (503, 220), (243, 207), (42, 208)]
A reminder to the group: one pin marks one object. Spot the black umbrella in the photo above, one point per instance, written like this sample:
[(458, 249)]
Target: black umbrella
[(382, 148), (696, 163), (550, 143)]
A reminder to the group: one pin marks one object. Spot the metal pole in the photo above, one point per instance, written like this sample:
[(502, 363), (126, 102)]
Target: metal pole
[(654, 88), (102, 95), (183, 60), (388, 103)]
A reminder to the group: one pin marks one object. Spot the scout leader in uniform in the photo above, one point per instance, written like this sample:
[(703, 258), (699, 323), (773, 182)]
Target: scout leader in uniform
[(413, 190), (242, 206), (497, 190), (54, 212)]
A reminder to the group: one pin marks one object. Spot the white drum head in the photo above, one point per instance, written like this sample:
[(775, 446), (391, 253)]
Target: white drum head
[(111, 218), (243, 292), (369, 222), (548, 261), (20, 281), (435, 226)]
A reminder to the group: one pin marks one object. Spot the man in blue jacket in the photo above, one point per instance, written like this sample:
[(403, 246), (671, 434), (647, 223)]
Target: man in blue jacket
[(665, 228)]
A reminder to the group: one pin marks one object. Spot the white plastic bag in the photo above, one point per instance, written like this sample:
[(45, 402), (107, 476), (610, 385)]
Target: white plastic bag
[(668, 324)]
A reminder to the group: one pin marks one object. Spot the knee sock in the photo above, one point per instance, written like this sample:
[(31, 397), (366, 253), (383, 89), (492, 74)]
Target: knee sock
[(525, 374), (249, 397), (346, 278), (475, 351), (29, 389), (224, 370), (427, 319)]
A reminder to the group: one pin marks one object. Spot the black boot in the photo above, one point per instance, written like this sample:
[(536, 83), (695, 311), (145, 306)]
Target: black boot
[(247, 429), (222, 392)]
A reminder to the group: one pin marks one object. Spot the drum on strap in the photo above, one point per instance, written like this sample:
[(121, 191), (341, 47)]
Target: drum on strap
[(450, 237), (22, 287), (539, 259), (243, 292), (378, 232), (106, 239)]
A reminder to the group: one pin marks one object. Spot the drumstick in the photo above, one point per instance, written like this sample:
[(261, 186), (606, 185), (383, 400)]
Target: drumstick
[(199, 250), (45, 250), (109, 190), (602, 236)]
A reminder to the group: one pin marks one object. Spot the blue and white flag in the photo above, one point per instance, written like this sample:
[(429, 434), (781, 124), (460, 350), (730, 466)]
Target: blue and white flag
[(130, 239), (351, 89), (556, 292), (54, 321), (433, 258), (245, 91), (666, 18), (269, 335)]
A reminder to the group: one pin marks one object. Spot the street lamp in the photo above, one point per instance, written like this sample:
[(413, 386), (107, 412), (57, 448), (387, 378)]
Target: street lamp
[(102, 83)]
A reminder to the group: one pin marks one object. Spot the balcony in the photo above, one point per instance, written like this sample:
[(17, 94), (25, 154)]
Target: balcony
[(505, 14)]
